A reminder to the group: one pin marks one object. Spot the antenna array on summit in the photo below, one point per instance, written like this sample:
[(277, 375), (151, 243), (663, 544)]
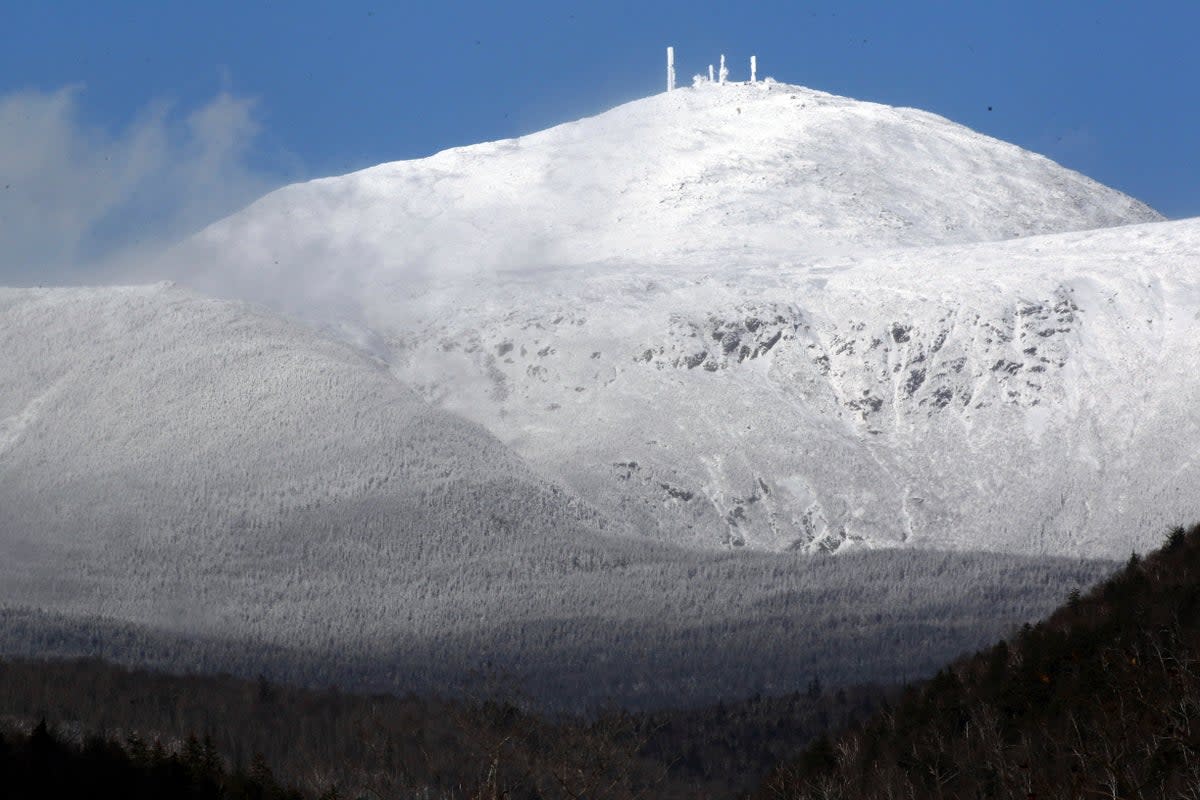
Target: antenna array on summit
[(714, 76)]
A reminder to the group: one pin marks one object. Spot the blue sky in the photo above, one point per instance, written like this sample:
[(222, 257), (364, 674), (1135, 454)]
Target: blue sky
[(289, 90)]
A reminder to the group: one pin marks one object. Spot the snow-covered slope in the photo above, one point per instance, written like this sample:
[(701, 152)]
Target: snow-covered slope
[(1030, 396), (695, 176), (169, 457), (759, 315), (197, 484)]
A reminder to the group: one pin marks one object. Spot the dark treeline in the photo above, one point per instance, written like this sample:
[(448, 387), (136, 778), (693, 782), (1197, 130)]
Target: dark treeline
[(389, 746), (726, 750), (1102, 699), (41, 764)]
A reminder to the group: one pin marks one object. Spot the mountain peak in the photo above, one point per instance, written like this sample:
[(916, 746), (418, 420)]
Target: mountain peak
[(768, 169)]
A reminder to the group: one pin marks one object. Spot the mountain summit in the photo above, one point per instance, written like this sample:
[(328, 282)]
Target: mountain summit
[(713, 172)]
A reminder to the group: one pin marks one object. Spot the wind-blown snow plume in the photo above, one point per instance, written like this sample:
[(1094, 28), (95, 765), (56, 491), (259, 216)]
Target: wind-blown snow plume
[(76, 195)]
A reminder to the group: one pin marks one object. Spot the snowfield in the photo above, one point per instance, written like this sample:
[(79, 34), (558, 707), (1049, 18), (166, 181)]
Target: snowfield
[(592, 406)]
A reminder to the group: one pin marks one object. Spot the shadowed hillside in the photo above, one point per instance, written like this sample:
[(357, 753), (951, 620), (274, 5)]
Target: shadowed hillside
[(1100, 700), (43, 764), (144, 728)]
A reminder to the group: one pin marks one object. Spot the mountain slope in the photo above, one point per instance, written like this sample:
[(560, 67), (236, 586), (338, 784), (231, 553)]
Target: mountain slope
[(192, 482), (1028, 396), (171, 459), (719, 314), (1099, 700)]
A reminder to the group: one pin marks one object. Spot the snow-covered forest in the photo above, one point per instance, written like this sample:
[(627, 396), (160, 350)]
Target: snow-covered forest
[(236, 478)]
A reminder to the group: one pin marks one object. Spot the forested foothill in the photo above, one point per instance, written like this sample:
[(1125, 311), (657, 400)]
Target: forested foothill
[(195, 735), (643, 634), (1102, 699)]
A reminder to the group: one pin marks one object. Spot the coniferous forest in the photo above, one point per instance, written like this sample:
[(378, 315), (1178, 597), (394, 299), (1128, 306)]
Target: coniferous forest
[(1101, 699), (388, 746), (43, 764)]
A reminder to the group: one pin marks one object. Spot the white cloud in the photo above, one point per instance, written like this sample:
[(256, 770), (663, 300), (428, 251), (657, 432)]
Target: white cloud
[(75, 199)]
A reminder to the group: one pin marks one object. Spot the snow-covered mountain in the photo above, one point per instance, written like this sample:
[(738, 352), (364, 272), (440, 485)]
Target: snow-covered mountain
[(759, 315), (196, 484), (610, 391)]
